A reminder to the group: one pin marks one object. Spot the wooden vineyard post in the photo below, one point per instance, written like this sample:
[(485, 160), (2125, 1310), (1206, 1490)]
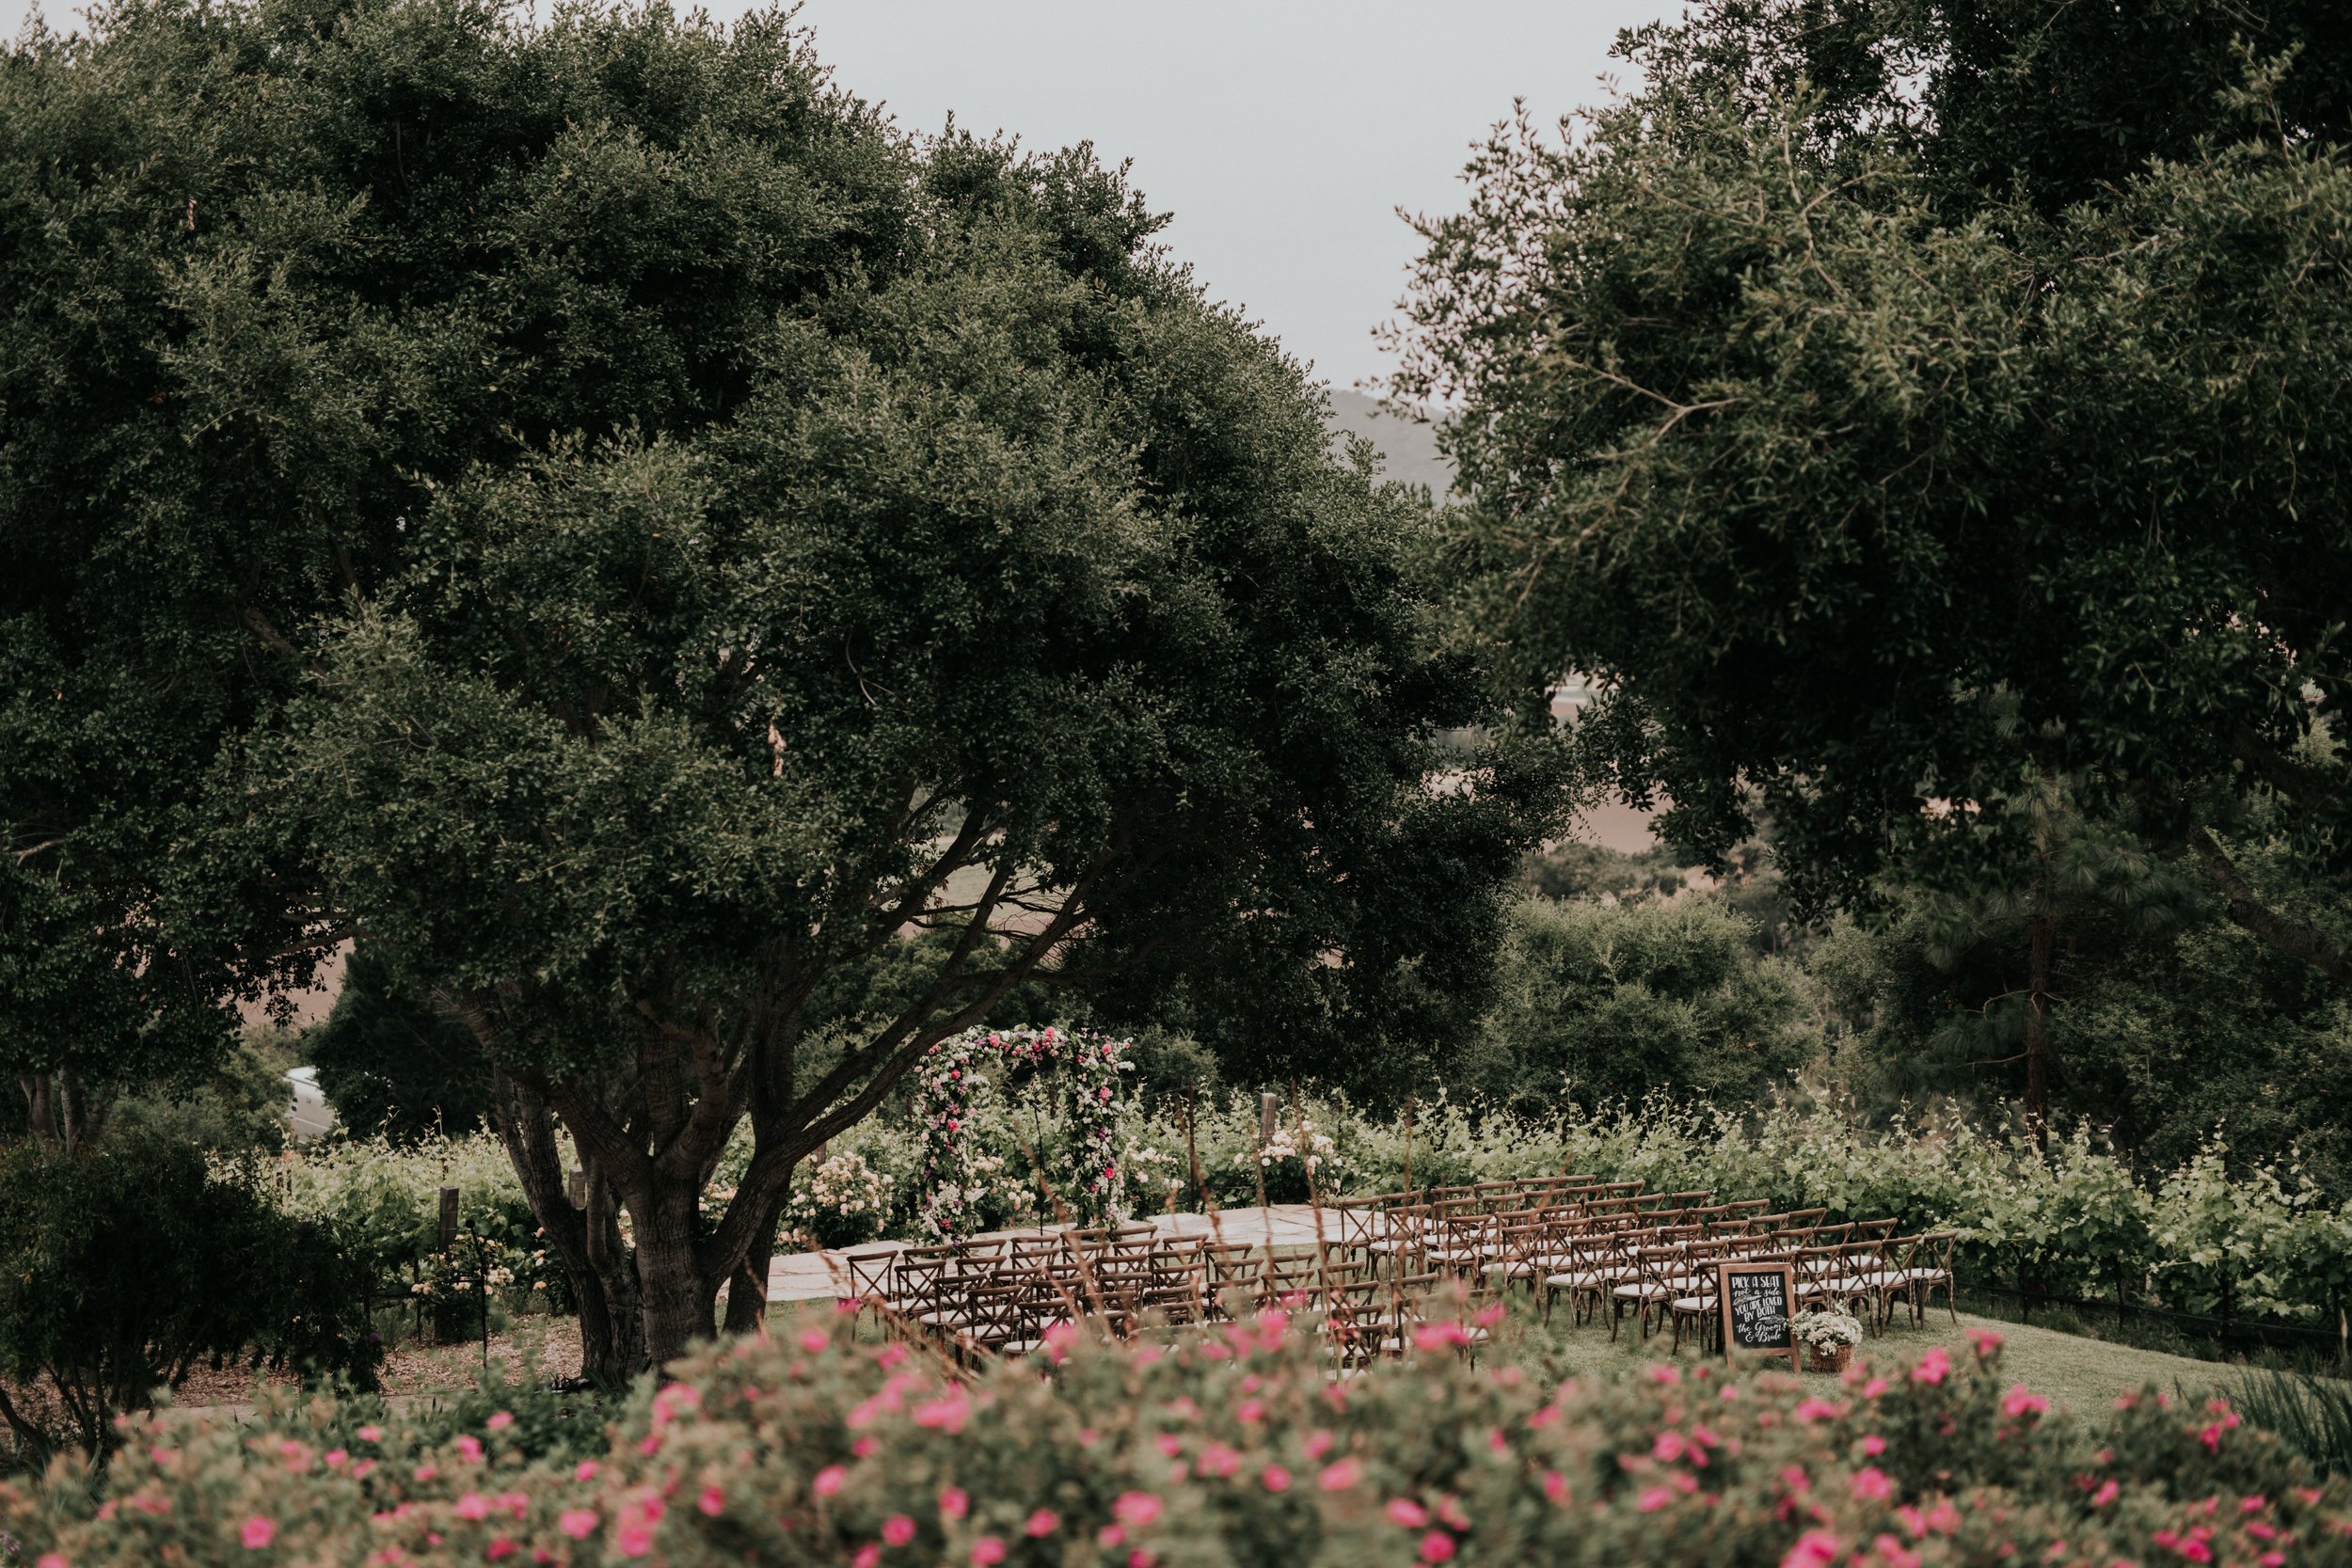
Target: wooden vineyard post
[(1266, 1136)]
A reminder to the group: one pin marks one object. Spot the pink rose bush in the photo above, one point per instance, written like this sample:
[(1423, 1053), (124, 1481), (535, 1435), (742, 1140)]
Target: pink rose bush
[(1229, 1448)]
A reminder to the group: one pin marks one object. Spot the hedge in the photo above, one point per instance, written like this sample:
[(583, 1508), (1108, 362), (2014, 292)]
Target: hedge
[(1233, 1448)]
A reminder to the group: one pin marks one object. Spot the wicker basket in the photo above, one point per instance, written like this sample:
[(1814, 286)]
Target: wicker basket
[(1837, 1361)]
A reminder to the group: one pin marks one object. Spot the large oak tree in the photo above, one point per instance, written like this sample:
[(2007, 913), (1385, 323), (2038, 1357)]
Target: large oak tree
[(653, 543), (1893, 410)]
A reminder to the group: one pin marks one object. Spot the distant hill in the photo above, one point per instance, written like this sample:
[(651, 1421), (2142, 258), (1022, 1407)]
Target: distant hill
[(1409, 452)]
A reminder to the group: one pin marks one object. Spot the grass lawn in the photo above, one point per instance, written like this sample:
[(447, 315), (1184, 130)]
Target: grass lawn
[(2072, 1371), (2085, 1374)]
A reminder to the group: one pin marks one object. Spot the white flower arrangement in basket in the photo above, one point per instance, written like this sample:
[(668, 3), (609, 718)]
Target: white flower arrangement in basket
[(1827, 1333)]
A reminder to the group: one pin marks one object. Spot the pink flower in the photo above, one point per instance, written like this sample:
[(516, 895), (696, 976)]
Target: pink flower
[(1437, 1546), (1814, 1548), (1431, 1337), (987, 1552), (633, 1540), (897, 1530), (815, 1339), (1984, 1340), (1340, 1476), (473, 1505), (868, 1556), (1555, 1486), (1405, 1511), (371, 1434), (1318, 1443), (2109, 1491), (257, 1533), (713, 1502), (1218, 1460), (1274, 1477), (1041, 1523), (1810, 1410), (1661, 1372), (1872, 1484), (500, 1420), (51, 1560), (953, 1503), (828, 1481), (2020, 1401), (578, 1523), (1249, 1412), (1874, 1445), (499, 1549), (1934, 1367), (1136, 1508), (1667, 1448), (1654, 1498)]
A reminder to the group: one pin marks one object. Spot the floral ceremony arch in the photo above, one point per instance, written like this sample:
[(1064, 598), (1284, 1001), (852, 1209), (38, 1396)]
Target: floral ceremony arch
[(1091, 1064)]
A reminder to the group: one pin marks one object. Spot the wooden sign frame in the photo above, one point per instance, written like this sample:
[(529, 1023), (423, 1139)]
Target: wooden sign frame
[(1786, 1273)]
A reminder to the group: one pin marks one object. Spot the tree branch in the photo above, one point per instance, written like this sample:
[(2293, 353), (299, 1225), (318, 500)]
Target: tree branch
[(2296, 941)]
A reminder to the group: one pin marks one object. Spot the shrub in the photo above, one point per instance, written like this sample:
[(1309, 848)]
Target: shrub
[(1236, 1448), (383, 1198), (121, 1265), (842, 1203), (1617, 1001), (391, 1063)]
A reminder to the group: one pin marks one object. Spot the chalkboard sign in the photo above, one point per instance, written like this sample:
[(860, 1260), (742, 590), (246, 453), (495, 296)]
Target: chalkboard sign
[(1758, 1302)]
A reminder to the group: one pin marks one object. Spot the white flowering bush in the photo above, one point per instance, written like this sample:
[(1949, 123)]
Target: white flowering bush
[(1297, 1163), (1826, 1330), (842, 1202)]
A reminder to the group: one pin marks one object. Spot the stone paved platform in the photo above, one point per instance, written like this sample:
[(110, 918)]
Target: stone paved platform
[(824, 1276)]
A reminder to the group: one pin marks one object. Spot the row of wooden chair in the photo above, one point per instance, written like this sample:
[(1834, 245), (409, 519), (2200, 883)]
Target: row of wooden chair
[(1612, 1244), (998, 1296)]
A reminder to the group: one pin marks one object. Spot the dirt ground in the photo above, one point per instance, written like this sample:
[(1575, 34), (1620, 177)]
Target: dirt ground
[(535, 1350)]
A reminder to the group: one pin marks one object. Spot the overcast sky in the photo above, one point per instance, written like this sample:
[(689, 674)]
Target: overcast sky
[(1282, 135)]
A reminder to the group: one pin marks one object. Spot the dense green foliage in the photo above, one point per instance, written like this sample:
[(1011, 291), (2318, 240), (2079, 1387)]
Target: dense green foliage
[(389, 1062), (380, 1197), (1233, 1447), (121, 1265), (1887, 409), (597, 509), (1609, 1000)]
